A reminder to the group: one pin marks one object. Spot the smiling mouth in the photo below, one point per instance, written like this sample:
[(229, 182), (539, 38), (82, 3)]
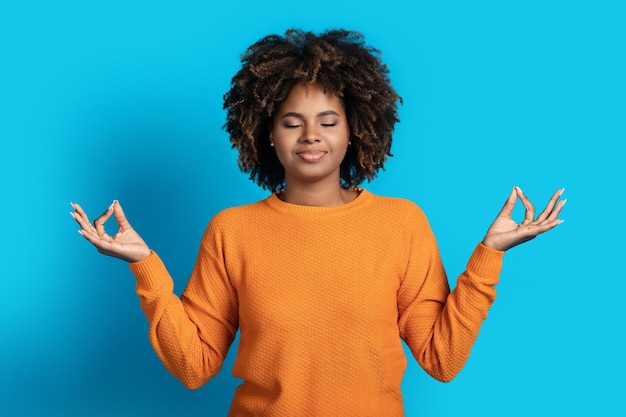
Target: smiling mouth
[(311, 156)]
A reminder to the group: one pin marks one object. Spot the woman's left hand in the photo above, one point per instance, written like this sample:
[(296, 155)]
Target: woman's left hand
[(504, 233)]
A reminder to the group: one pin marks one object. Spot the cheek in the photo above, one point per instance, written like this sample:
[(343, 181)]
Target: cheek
[(344, 152), (343, 140), (282, 152)]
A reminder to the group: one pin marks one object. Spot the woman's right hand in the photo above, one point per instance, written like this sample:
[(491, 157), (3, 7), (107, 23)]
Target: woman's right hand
[(126, 244)]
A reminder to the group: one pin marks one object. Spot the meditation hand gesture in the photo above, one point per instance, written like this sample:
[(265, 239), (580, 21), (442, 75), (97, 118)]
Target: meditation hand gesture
[(504, 232), (126, 244)]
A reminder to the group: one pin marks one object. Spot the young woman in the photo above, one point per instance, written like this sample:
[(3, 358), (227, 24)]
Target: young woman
[(322, 278)]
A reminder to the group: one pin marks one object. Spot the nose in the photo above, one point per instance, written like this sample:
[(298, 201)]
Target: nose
[(310, 134)]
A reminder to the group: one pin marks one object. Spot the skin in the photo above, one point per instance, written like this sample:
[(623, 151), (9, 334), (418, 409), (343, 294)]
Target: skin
[(310, 134), (126, 244), (504, 233)]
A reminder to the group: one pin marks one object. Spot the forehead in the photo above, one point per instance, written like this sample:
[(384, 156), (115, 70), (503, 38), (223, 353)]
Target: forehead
[(310, 97)]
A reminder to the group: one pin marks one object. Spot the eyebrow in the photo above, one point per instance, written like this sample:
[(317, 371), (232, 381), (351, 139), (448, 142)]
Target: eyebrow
[(301, 116)]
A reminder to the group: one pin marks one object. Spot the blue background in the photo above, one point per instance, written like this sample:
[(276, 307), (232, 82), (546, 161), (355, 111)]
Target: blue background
[(122, 100)]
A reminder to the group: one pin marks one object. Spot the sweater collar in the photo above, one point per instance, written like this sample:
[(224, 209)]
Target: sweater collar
[(279, 205)]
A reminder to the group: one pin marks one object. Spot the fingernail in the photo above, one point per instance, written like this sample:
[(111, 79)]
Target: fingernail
[(564, 202), (72, 204), (561, 221), (562, 191), (519, 189), (80, 232), (73, 215)]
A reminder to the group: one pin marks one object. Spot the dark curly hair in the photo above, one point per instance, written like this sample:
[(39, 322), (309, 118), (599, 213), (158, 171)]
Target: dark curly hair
[(340, 62)]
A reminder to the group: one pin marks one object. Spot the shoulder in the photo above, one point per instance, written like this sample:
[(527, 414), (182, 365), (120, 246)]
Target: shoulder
[(235, 218), (397, 206), (395, 213), (403, 216), (231, 225)]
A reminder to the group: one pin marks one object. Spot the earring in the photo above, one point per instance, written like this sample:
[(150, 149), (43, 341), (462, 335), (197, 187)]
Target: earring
[(272, 144)]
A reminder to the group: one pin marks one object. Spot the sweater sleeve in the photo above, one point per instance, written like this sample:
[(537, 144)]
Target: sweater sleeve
[(191, 334), (439, 326)]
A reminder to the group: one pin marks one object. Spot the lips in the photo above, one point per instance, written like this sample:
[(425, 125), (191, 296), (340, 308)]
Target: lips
[(311, 155)]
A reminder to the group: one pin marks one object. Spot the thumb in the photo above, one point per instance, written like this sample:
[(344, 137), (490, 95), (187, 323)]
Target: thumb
[(509, 205), (120, 217)]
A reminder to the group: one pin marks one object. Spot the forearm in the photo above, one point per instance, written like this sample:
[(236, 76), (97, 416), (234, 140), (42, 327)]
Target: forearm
[(173, 334), (443, 348)]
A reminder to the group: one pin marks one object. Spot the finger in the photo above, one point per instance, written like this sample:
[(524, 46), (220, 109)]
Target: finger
[(81, 217), (529, 215), (105, 246), (92, 236), (509, 205), (120, 217), (533, 230), (550, 206), (100, 221), (80, 212), (554, 214)]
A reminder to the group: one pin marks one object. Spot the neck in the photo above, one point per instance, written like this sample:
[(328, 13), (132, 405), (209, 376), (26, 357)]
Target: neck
[(316, 194)]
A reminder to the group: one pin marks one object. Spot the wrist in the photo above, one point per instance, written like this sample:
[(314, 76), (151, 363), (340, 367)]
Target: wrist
[(492, 244), (139, 256)]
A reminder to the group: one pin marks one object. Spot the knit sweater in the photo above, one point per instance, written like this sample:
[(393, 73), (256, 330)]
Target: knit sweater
[(321, 296)]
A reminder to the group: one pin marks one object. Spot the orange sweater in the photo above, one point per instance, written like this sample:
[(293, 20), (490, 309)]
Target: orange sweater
[(322, 296)]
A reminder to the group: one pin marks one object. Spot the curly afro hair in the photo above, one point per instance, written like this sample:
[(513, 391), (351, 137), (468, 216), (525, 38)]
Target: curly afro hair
[(340, 62)]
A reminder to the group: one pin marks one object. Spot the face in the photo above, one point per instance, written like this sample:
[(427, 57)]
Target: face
[(310, 134)]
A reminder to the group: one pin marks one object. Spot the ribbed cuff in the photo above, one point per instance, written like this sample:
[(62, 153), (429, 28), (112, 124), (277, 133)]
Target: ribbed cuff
[(151, 274), (487, 263)]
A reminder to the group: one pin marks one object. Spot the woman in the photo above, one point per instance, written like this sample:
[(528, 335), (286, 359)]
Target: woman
[(322, 278)]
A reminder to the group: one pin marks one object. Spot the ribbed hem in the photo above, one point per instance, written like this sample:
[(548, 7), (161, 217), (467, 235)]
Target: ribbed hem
[(487, 263), (150, 273)]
